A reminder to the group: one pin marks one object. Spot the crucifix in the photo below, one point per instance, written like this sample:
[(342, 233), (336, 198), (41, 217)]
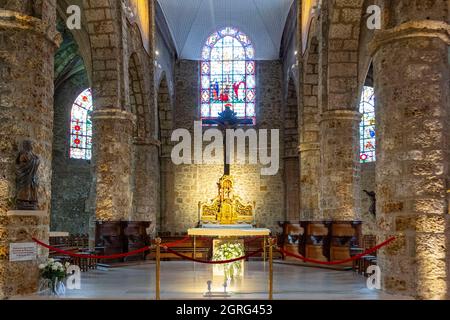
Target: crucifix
[(227, 119)]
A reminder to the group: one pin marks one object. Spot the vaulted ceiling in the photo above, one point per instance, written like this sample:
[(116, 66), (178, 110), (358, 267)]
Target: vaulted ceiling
[(191, 22)]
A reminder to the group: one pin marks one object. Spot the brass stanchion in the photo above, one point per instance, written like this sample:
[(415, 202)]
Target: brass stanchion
[(264, 249), (271, 245), (195, 247), (158, 267)]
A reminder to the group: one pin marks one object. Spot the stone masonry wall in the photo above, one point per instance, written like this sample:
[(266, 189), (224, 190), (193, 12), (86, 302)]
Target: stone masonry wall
[(189, 184), (369, 226), (71, 178)]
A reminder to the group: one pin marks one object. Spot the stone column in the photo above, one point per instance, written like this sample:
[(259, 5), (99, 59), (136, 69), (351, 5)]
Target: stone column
[(411, 71), (291, 185), (309, 181), (168, 195), (112, 162), (28, 40), (339, 165), (146, 184)]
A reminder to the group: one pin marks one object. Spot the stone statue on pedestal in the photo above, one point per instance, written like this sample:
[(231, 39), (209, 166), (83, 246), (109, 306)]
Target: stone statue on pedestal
[(27, 164)]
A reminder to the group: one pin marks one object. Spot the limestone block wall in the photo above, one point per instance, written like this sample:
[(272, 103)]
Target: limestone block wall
[(186, 185), (369, 226), (71, 178)]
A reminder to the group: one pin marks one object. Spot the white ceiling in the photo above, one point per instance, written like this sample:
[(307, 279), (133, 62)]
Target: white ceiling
[(191, 22)]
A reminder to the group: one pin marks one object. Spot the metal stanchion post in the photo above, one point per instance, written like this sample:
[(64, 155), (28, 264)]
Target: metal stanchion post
[(271, 245), (264, 249), (158, 267), (195, 247)]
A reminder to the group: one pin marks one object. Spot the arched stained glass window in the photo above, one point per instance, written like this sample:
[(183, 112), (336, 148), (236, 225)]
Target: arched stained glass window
[(228, 75), (81, 127), (367, 125)]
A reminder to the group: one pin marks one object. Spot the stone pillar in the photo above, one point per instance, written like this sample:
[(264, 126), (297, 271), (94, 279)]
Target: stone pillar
[(339, 165), (411, 71), (146, 184), (291, 185), (168, 195), (310, 136), (28, 41), (112, 162), (309, 181)]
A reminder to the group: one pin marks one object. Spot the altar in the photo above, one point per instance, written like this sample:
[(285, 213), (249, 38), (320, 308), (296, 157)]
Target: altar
[(230, 220), (223, 231), (227, 216), (229, 231), (229, 234)]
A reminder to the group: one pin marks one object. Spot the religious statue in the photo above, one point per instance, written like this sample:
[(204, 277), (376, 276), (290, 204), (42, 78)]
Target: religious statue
[(27, 164), (226, 207), (373, 204)]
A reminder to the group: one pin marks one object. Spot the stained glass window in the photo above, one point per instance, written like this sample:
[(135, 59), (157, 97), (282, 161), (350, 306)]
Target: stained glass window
[(367, 125), (81, 127), (228, 75)]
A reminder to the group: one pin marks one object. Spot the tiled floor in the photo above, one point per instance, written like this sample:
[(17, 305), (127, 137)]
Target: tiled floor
[(186, 280)]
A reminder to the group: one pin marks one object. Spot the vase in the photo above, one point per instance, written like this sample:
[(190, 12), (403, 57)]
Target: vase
[(58, 287), (52, 287)]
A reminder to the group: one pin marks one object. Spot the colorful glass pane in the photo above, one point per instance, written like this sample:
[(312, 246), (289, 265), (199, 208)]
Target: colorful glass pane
[(81, 127), (367, 126), (205, 68), (228, 75)]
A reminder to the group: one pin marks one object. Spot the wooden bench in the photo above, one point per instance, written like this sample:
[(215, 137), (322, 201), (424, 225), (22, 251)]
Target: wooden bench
[(78, 244)]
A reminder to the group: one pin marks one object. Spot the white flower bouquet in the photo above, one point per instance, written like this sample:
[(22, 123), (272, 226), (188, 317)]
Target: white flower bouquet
[(54, 273), (230, 251)]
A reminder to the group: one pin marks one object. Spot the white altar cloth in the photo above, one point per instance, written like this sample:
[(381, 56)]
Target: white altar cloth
[(229, 232)]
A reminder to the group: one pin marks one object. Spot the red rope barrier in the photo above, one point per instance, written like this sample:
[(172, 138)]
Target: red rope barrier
[(175, 243), (356, 257), (114, 256), (213, 262), (92, 256)]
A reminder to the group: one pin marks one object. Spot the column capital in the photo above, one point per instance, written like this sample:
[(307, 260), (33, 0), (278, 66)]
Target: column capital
[(340, 115), (412, 29), (18, 21), (113, 114), (308, 146)]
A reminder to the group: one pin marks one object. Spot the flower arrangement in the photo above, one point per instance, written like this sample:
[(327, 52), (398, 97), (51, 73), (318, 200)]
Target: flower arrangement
[(54, 273), (229, 251)]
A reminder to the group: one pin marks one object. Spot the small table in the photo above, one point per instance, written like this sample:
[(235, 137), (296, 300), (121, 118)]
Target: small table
[(229, 232)]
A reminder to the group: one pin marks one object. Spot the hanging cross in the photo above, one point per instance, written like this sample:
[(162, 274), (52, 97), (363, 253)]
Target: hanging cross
[(227, 120)]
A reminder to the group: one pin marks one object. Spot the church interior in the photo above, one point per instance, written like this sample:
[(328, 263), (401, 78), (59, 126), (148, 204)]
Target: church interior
[(208, 149)]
